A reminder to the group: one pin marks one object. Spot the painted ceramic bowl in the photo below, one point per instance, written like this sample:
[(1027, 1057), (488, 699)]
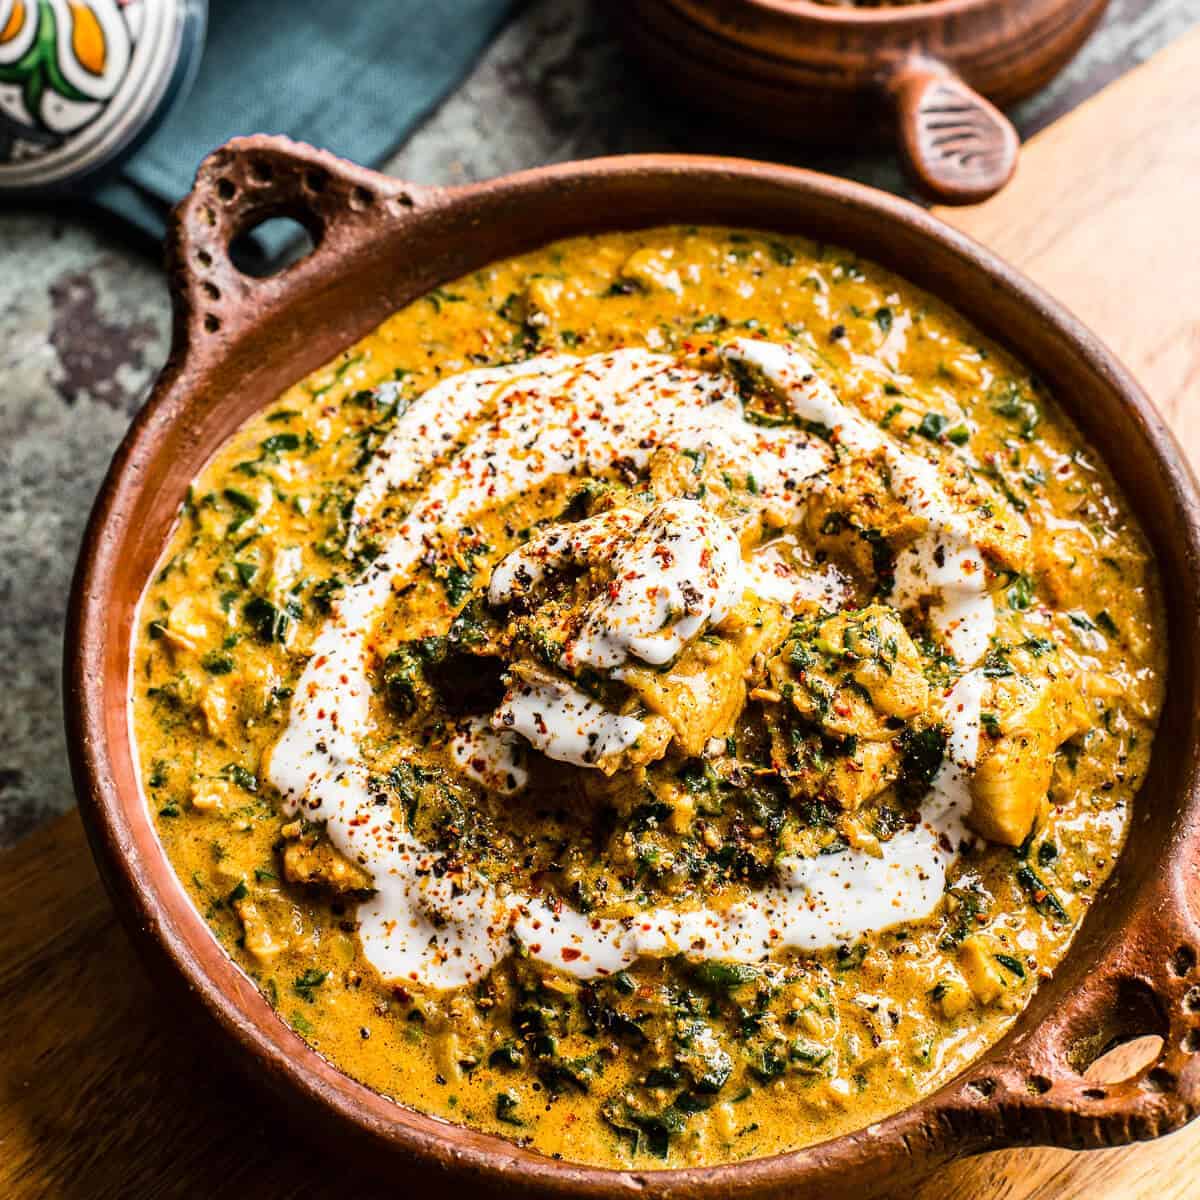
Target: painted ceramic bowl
[(380, 243), (82, 85)]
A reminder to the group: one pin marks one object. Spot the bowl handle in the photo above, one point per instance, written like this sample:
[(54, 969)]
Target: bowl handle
[(1143, 980), (253, 179), (958, 147)]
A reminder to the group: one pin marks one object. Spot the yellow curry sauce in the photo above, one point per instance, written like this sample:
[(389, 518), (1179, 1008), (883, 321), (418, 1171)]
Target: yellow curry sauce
[(749, 736)]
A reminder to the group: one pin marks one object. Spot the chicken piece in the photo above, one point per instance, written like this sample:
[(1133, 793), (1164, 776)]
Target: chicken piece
[(953, 996), (210, 795), (848, 773), (853, 680), (650, 747), (545, 586), (853, 674), (1002, 537), (701, 696), (263, 939), (696, 473), (885, 660), (856, 512), (860, 776), (569, 725), (1013, 773), (215, 709), (1002, 534), (853, 513), (597, 678), (862, 506), (189, 625), (651, 270), (543, 298), (984, 975), (312, 861), (1066, 564)]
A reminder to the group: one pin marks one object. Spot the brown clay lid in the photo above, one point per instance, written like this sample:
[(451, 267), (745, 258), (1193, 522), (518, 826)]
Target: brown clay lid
[(928, 73)]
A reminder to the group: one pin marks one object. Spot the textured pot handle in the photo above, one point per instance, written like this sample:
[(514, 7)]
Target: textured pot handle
[(958, 147), (1144, 981), (253, 179)]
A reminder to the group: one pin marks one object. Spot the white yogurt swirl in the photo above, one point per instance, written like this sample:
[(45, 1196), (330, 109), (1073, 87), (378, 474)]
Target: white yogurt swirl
[(675, 570), (563, 723), (944, 561), (485, 436)]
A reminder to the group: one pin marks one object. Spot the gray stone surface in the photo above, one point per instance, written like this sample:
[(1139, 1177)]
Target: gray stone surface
[(84, 322)]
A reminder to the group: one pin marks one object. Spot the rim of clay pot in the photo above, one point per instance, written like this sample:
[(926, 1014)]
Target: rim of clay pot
[(1026, 1088), (898, 15), (893, 24)]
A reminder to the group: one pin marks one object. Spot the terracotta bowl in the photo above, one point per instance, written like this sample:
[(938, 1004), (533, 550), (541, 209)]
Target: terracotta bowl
[(379, 244), (827, 73)]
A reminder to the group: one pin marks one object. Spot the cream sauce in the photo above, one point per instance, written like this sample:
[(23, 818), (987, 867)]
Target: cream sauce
[(675, 571), (513, 428), (563, 723)]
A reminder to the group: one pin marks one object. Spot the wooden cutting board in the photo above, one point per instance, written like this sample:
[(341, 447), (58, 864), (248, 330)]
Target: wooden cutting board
[(103, 1094)]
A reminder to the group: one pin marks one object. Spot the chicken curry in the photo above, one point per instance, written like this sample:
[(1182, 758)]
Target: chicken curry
[(666, 698)]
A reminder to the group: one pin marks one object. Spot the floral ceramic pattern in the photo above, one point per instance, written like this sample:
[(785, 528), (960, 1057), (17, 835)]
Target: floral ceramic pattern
[(61, 62)]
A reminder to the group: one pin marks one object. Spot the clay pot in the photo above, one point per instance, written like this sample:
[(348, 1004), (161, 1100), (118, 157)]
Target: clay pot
[(380, 243), (929, 74)]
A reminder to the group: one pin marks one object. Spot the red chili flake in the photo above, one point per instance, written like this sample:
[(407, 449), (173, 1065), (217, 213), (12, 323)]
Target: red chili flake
[(570, 954), (536, 947)]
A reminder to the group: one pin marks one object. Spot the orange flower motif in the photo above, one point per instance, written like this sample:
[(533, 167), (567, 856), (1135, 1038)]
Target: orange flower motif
[(16, 19), (87, 38)]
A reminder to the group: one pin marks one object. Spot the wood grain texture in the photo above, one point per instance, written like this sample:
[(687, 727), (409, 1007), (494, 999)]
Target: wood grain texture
[(103, 1093), (1104, 213)]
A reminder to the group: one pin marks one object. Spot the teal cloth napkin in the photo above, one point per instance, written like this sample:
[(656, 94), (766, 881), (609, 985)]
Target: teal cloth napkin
[(351, 77)]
